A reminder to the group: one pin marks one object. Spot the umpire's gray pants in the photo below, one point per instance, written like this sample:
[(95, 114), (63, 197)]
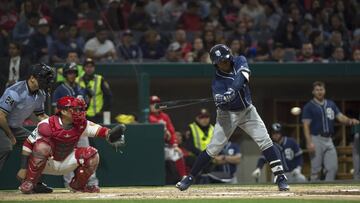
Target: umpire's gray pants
[(325, 155), (226, 123), (83, 142), (356, 153), (5, 144)]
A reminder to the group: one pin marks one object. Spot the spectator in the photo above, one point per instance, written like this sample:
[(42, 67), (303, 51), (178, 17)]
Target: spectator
[(216, 18), (8, 17), (127, 49), (305, 30), (318, 119), (114, 16), (203, 57), (291, 154), (100, 48), (277, 53), (225, 164), (172, 11), (337, 23), (288, 36), (152, 48), (173, 53), (307, 53), (172, 151), (40, 42), (336, 41), (235, 47), (64, 13), (262, 52), (356, 55), (154, 9), (241, 33), (62, 46), (254, 10), (272, 17), (98, 92), (13, 68), (355, 43), (24, 29), (180, 37), (337, 55), (208, 39), (197, 46), (316, 38), (190, 20), (76, 39), (26, 8), (138, 19)]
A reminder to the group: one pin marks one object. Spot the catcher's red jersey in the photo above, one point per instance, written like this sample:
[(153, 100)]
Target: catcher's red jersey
[(62, 141)]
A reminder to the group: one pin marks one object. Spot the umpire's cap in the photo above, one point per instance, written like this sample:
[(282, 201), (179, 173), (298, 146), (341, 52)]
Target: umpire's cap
[(44, 74), (276, 127), (220, 52)]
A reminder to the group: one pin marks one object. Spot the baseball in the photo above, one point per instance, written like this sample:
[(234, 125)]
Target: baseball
[(295, 111)]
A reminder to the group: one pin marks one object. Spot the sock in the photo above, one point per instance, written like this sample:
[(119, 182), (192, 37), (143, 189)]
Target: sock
[(201, 162), (272, 155), (180, 167)]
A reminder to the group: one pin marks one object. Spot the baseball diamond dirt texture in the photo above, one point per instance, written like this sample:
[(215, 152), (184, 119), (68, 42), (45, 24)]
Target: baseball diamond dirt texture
[(306, 192)]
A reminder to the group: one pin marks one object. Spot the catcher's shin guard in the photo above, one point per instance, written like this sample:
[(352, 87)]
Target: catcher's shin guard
[(36, 164), (88, 159)]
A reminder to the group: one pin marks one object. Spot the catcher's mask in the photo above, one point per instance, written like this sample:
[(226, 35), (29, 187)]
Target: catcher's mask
[(76, 106)]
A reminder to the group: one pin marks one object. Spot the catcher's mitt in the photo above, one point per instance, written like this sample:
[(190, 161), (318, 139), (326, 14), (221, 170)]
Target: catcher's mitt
[(116, 137)]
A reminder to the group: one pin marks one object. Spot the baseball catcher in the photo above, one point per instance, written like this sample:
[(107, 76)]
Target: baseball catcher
[(50, 149)]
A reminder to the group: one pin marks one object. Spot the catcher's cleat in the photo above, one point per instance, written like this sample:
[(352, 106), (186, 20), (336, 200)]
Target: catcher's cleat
[(42, 188), (87, 189), (26, 187), (281, 181), (185, 183)]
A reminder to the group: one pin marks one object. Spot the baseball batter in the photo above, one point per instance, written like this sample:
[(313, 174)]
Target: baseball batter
[(232, 97), (318, 122), (17, 103), (52, 147)]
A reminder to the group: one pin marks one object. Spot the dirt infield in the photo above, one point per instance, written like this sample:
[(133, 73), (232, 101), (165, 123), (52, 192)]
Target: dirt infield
[(339, 192)]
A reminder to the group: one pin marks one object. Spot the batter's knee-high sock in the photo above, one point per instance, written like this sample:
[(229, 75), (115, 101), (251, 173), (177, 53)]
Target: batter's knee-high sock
[(201, 162), (272, 155), (180, 167)]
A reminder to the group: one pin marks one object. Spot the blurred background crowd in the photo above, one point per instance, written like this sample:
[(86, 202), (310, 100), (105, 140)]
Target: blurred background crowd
[(180, 30)]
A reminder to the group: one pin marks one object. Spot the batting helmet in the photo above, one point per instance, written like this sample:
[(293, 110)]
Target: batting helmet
[(70, 68), (44, 74), (276, 127), (220, 52)]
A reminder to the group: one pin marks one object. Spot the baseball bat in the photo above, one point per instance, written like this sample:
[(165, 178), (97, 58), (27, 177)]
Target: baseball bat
[(181, 103)]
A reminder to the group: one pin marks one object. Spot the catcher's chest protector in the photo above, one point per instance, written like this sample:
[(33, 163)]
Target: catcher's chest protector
[(64, 140)]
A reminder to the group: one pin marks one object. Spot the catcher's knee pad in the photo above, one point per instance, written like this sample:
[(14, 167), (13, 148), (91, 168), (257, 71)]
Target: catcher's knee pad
[(88, 159), (41, 152)]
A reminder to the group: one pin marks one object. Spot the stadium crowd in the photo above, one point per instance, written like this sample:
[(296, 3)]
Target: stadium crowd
[(181, 30)]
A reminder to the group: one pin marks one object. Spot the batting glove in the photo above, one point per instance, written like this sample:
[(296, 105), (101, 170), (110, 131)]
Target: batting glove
[(219, 99), (229, 95), (256, 173)]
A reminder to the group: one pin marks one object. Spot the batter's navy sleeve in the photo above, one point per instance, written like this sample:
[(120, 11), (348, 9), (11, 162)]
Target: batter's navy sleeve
[(8, 100), (240, 65)]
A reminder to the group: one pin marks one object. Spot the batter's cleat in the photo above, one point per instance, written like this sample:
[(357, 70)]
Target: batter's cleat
[(185, 183), (42, 188), (281, 181), (26, 187)]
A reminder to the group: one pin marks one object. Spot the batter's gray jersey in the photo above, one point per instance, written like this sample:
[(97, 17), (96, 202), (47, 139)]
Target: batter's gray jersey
[(19, 103)]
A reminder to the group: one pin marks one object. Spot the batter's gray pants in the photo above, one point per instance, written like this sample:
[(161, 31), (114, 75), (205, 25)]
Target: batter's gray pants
[(5, 144), (226, 123), (83, 142), (325, 155), (356, 153)]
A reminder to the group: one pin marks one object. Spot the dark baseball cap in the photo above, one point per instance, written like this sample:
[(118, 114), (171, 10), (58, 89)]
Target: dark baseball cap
[(89, 61), (203, 113)]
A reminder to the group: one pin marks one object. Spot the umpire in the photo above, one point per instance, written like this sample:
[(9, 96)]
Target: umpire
[(17, 103)]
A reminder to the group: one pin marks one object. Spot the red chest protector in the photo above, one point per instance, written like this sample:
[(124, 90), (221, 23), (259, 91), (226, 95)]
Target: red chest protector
[(64, 141)]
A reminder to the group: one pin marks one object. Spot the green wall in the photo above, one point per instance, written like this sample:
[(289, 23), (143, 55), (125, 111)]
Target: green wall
[(140, 163)]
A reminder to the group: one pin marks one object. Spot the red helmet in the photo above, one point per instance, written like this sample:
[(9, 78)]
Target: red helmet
[(77, 107), (154, 99)]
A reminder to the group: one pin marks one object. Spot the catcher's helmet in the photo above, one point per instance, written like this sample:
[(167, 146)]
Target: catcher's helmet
[(44, 74), (77, 108), (220, 52), (276, 127), (70, 68)]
